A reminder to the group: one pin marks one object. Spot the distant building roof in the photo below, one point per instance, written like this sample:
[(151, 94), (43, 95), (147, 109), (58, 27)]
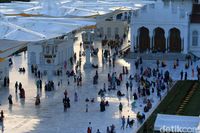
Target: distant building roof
[(195, 16)]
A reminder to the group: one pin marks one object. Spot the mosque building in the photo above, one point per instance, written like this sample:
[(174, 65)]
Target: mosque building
[(166, 26)]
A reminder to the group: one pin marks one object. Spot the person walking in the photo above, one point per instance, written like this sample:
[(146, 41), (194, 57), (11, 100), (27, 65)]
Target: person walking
[(10, 99), (98, 131), (128, 122), (181, 75), (120, 107), (16, 86), (131, 85), (123, 123), (75, 97), (185, 75), (108, 129), (127, 85), (65, 104), (193, 72), (65, 93), (86, 110), (89, 129)]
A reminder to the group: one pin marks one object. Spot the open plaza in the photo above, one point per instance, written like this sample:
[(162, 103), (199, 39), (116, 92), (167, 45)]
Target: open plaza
[(99, 66)]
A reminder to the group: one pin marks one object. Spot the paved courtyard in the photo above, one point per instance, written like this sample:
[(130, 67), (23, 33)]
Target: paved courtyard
[(25, 117)]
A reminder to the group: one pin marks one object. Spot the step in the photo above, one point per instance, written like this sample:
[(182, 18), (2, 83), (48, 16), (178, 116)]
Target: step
[(156, 56)]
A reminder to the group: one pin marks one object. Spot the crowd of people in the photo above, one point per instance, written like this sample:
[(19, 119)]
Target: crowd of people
[(140, 86)]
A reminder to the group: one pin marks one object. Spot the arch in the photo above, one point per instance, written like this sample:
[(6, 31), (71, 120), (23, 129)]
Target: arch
[(159, 39), (195, 38), (119, 16), (144, 39), (175, 40)]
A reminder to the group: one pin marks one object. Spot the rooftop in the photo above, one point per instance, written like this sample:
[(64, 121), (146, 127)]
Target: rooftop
[(45, 19)]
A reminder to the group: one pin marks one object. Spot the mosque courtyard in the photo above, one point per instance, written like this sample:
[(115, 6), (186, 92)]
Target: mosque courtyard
[(53, 30), (24, 117)]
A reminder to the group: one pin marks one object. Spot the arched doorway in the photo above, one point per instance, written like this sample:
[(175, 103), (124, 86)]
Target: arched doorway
[(159, 40), (175, 40), (144, 39)]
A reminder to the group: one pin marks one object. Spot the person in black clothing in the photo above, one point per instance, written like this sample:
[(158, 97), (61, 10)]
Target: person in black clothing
[(127, 85), (1, 116), (102, 106), (10, 99), (185, 75), (37, 101), (119, 94), (5, 84), (65, 103), (16, 86), (20, 85), (182, 75), (68, 102)]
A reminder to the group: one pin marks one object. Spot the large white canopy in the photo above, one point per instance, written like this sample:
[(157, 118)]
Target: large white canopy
[(45, 19)]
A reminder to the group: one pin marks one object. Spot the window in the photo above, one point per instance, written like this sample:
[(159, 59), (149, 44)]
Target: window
[(194, 38)]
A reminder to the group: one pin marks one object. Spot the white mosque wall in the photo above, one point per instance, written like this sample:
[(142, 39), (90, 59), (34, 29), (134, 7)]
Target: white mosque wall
[(34, 50), (160, 13), (194, 46), (111, 28), (63, 50), (163, 15)]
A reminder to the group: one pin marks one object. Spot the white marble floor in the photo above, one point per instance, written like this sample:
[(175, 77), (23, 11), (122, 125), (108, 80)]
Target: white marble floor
[(24, 117)]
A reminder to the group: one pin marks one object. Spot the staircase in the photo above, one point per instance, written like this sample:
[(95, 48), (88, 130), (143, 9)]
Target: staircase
[(157, 56)]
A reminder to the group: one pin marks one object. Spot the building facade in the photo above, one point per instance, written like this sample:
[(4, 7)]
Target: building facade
[(51, 53), (195, 29), (164, 27), (113, 25)]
